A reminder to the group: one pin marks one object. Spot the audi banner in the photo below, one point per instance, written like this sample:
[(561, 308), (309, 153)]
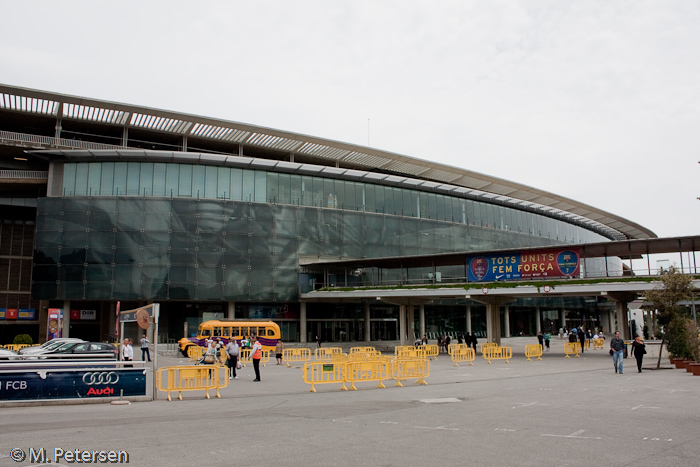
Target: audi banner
[(51, 384)]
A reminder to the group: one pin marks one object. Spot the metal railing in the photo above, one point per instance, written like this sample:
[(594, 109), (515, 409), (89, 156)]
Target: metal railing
[(25, 174), (44, 142)]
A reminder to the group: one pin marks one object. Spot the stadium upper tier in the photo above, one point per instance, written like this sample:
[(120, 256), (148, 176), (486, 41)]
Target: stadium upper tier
[(63, 122)]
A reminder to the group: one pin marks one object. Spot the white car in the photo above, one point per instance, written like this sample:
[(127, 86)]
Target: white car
[(7, 354), (48, 345)]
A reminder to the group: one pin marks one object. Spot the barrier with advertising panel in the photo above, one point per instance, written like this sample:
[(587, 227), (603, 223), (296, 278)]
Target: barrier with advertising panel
[(51, 382)]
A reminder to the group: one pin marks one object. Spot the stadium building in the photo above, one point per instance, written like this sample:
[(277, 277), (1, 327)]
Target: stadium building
[(103, 202)]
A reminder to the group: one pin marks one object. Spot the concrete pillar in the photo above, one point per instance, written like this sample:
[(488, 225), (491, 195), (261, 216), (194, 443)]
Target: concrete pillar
[(402, 324), (302, 322), (66, 319), (231, 310), (368, 333), (506, 318), (410, 318), (538, 321), (493, 331), (469, 318), (562, 319), (621, 301), (421, 320)]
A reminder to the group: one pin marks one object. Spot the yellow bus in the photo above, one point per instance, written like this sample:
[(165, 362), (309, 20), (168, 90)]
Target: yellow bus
[(268, 333)]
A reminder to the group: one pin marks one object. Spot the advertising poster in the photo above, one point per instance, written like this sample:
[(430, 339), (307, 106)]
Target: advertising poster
[(55, 324), (534, 264)]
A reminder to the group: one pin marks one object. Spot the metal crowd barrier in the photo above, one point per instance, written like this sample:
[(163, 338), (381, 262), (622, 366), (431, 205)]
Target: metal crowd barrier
[(195, 352), (432, 350), (534, 350), (380, 369), (325, 354), (572, 348), (366, 349), (404, 368), (413, 352), (598, 344), (324, 372), (296, 355), (452, 347), (497, 353), (192, 378), (371, 370), (487, 345), (462, 353), (16, 347), (244, 357)]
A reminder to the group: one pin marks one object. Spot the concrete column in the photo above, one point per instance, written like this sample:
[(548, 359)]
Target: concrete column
[(410, 318), (302, 322), (368, 333), (421, 320), (506, 317), (402, 324), (469, 318), (622, 322), (538, 321), (231, 310), (493, 310), (66, 319), (562, 319)]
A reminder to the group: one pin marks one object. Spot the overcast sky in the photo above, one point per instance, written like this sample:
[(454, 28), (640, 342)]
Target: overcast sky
[(598, 101)]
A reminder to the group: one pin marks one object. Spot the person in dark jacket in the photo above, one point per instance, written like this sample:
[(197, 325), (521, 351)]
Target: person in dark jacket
[(638, 350), (617, 345), (582, 338)]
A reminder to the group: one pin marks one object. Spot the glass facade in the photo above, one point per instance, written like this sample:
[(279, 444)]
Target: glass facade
[(149, 231), (147, 179)]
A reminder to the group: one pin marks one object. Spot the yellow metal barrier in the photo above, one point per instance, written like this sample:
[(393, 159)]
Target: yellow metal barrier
[(16, 347), (487, 345), (191, 378), (497, 353), (413, 352), (324, 372), (195, 352), (400, 348), (462, 353), (431, 350), (572, 348), (244, 357), (325, 354), (372, 370), (296, 355), (339, 357), (404, 368), (452, 347), (598, 344), (362, 350), (534, 350)]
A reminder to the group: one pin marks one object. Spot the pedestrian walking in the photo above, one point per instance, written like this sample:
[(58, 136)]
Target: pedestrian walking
[(616, 347)]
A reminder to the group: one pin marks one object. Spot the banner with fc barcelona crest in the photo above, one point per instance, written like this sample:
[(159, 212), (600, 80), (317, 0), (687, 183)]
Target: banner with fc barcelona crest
[(533, 264)]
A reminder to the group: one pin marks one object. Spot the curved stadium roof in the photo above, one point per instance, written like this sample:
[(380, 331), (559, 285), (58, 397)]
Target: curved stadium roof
[(440, 177)]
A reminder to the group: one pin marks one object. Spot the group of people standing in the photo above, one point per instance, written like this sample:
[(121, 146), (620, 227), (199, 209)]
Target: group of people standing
[(127, 349), (444, 340)]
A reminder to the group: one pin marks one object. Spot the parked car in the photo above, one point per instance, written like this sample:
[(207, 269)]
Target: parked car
[(48, 345), (7, 354), (79, 351)]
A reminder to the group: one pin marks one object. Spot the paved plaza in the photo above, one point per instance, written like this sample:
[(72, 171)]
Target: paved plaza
[(557, 411)]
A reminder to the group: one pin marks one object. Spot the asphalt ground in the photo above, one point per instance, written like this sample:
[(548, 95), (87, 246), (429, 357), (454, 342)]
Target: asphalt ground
[(557, 411)]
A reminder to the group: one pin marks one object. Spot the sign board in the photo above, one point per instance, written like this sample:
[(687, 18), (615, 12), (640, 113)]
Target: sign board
[(26, 313), (550, 263)]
